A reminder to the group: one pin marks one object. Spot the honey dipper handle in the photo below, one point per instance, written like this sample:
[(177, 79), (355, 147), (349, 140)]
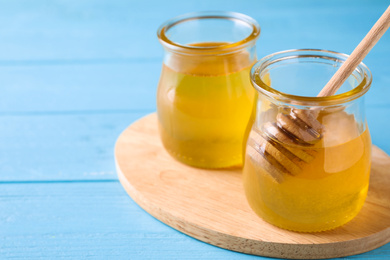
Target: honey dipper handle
[(357, 55)]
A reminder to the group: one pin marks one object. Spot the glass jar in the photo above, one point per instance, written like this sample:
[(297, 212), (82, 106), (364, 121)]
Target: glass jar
[(204, 96), (308, 158)]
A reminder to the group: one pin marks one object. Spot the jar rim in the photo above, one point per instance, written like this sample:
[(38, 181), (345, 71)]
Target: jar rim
[(338, 99), (225, 48)]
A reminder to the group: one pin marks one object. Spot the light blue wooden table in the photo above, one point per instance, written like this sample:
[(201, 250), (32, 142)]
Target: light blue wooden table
[(75, 74)]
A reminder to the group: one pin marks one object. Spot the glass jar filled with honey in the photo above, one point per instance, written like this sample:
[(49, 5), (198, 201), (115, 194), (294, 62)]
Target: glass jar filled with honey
[(307, 158), (204, 96)]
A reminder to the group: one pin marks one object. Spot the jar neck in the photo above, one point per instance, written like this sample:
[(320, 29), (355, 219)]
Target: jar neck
[(283, 76), (208, 33)]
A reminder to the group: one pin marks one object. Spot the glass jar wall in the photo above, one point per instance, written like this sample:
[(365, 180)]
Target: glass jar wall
[(307, 159), (204, 96)]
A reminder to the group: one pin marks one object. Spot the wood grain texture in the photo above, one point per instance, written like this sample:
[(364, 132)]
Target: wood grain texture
[(211, 206)]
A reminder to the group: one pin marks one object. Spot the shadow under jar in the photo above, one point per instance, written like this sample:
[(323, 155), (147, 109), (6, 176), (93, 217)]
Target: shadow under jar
[(301, 176), (204, 96)]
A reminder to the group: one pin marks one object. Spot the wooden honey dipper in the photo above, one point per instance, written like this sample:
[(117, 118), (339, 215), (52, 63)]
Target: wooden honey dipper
[(299, 127)]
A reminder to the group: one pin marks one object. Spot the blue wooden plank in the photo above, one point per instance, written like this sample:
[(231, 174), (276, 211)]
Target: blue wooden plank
[(73, 146), (66, 30), (128, 81), (97, 220), (74, 74), (75, 87)]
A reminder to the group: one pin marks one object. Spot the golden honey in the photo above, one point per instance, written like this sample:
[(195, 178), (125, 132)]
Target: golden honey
[(307, 158), (204, 96), (204, 104), (328, 192)]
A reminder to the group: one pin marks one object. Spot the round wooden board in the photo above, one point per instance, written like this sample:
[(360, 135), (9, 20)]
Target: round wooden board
[(210, 205)]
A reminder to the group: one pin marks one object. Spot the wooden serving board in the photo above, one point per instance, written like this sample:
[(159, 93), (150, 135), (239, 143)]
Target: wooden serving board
[(210, 205)]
